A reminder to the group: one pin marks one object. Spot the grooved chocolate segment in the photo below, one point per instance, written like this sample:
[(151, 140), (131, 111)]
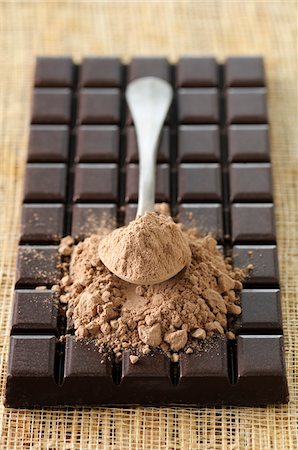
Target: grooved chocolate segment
[(253, 222), (37, 265), (81, 174), (261, 311), (98, 143), (48, 143), (199, 182), (96, 182), (88, 218), (42, 222), (204, 374), (248, 143), (100, 72), (151, 376), (98, 106), (45, 182), (197, 72), (198, 143), (261, 369), (163, 152), (51, 106), (92, 381), (250, 181), (31, 370), (145, 67), (263, 261), (53, 71), (244, 71), (198, 105), (162, 182), (207, 218), (246, 105), (34, 311)]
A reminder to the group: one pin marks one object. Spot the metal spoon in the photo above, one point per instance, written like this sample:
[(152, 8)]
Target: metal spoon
[(149, 100)]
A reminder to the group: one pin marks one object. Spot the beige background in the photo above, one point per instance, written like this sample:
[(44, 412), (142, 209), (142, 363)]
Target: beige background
[(166, 28)]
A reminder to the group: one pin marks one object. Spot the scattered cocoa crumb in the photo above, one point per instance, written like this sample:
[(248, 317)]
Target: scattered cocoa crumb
[(68, 240), (199, 333), (162, 208), (230, 335), (238, 285), (66, 246), (64, 250), (56, 288), (176, 339), (150, 335), (134, 359), (175, 357)]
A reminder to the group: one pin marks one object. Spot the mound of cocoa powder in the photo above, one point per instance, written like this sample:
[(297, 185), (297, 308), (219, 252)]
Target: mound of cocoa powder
[(172, 316), (150, 249)]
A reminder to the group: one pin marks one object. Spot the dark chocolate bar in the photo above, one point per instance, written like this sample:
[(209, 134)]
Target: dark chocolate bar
[(214, 171)]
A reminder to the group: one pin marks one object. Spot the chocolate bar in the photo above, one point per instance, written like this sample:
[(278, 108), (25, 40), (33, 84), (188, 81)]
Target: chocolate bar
[(213, 170)]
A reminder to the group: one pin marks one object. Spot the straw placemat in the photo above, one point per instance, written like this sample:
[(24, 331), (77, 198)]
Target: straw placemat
[(167, 28)]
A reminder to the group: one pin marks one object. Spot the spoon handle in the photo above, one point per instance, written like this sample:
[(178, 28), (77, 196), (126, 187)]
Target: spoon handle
[(149, 100)]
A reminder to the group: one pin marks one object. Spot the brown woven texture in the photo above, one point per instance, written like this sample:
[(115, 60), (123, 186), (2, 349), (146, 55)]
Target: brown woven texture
[(79, 28)]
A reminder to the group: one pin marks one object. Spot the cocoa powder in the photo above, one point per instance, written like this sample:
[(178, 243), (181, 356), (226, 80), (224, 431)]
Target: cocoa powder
[(151, 249), (172, 316)]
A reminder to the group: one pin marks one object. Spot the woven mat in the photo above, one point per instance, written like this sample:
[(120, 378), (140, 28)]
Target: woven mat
[(167, 28)]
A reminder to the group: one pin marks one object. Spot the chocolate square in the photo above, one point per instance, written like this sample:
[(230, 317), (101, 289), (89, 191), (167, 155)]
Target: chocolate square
[(248, 143), (42, 222), (53, 71), (96, 182), (250, 181), (51, 106), (48, 143), (98, 143), (199, 182), (99, 106), (244, 71), (253, 222), (261, 311), (246, 105), (198, 105), (45, 182), (100, 72), (206, 217), (38, 265), (262, 262), (193, 71), (31, 368), (34, 310), (261, 369), (198, 143)]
